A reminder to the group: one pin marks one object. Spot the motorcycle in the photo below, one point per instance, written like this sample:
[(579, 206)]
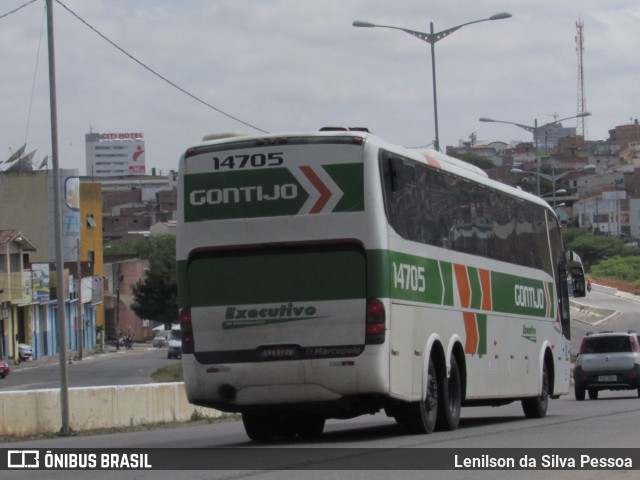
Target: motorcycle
[(122, 341), (127, 342)]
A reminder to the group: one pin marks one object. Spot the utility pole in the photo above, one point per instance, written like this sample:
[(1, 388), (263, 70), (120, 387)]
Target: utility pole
[(118, 282), (79, 306), (65, 429)]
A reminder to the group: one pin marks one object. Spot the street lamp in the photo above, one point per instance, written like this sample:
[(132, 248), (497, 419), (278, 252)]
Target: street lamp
[(560, 191), (535, 130), (553, 178), (431, 38)]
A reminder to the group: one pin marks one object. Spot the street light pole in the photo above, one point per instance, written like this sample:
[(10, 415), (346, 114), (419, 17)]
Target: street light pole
[(535, 141), (431, 38), (553, 178), (436, 142), (535, 130), (65, 429)]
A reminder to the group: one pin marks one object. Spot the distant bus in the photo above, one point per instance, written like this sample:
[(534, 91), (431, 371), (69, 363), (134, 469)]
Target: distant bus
[(332, 274)]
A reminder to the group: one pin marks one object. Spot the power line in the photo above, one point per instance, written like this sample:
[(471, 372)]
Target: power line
[(166, 80), (16, 9), (35, 74)]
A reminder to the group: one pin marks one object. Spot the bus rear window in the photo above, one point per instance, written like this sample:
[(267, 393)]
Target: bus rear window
[(277, 274)]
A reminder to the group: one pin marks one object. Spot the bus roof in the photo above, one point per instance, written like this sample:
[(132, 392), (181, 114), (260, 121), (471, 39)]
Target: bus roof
[(424, 155)]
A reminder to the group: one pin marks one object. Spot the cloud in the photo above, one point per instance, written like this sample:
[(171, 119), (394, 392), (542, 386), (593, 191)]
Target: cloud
[(291, 65)]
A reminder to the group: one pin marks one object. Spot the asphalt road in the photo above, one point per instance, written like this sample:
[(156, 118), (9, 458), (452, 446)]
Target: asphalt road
[(611, 421), (123, 367), (603, 311)]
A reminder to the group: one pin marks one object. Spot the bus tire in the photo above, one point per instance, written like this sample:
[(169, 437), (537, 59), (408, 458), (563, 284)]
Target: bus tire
[(309, 427), (421, 417), (450, 399), (536, 407), (593, 394), (259, 427)]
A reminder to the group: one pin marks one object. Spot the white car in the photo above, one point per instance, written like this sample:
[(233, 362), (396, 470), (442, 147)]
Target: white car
[(25, 351), (175, 343)]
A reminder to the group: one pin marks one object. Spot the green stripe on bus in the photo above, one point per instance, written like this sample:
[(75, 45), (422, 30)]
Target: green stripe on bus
[(476, 288), (401, 277), (242, 194), (349, 178), (272, 277), (519, 295), (481, 320), (343, 274), (446, 269), (268, 192)]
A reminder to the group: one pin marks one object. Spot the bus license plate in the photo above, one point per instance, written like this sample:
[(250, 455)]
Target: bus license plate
[(607, 378)]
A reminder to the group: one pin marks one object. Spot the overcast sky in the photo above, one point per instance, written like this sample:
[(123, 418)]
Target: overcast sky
[(297, 65)]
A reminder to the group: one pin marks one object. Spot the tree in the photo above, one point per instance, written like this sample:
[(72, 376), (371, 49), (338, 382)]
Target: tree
[(592, 249), (156, 296)]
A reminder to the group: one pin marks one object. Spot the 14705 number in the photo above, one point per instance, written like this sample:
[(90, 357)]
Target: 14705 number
[(409, 277), (255, 160)]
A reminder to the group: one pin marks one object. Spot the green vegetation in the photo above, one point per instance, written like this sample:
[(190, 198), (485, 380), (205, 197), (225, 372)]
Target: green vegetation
[(156, 296), (604, 256), (169, 373), (197, 416), (619, 268)]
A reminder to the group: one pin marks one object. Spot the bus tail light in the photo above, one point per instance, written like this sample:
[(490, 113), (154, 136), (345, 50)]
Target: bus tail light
[(376, 322), (186, 330)]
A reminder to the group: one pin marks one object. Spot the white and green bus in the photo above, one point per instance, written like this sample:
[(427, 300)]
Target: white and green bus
[(332, 274)]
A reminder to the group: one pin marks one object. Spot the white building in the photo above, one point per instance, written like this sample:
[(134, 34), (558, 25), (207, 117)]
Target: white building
[(607, 213), (114, 154)]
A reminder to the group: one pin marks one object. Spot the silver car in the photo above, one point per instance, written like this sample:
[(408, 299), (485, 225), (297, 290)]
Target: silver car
[(607, 361), (161, 340)]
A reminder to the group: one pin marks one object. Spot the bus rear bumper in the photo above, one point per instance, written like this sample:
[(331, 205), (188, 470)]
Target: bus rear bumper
[(242, 387)]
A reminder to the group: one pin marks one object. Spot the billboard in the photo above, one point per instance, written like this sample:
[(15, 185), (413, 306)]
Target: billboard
[(115, 154)]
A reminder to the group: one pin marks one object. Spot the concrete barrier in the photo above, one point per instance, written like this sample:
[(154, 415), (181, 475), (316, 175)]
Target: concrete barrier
[(38, 411)]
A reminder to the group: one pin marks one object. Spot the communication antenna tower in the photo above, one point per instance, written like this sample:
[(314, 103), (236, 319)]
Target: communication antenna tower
[(582, 99)]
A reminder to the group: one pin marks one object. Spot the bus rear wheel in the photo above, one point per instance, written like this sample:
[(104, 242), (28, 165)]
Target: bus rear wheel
[(302, 425), (421, 417), (260, 427), (536, 407), (450, 399)]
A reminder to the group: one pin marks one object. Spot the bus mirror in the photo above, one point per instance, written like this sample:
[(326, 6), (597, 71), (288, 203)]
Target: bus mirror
[(579, 288), (576, 272)]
